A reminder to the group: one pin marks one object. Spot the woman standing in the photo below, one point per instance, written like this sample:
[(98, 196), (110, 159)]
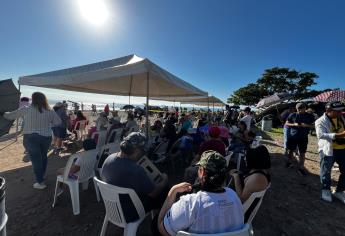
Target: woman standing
[(39, 119)]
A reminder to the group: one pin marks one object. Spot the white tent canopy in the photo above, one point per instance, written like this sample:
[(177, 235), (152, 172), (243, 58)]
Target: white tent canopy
[(211, 101), (196, 100), (127, 75)]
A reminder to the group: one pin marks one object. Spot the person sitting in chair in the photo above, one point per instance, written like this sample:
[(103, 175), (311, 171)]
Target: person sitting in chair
[(212, 209), (121, 169), (257, 178)]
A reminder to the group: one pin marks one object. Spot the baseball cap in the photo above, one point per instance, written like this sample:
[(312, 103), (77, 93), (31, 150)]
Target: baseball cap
[(212, 161), (136, 139), (300, 105), (214, 131), (336, 106)]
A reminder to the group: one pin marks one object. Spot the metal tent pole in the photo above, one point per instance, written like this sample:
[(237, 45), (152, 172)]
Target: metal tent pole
[(130, 90), (208, 108), (17, 122), (147, 104)]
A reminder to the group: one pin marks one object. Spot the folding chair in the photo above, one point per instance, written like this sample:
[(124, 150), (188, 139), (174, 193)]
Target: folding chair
[(245, 231), (151, 170), (101, 137), (161, 152), (252, 205), (86, 172), (106, 150), (114, 135), (113, 209), (80, 129)]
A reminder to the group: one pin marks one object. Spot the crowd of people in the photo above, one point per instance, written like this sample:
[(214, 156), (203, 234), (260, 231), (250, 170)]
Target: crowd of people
[(209, 196)]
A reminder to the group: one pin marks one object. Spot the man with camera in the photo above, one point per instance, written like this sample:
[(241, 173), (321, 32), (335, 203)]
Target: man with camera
[(330, 131)]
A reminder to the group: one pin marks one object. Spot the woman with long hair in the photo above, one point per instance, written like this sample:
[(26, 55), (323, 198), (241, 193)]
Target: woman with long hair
[(39, 119)]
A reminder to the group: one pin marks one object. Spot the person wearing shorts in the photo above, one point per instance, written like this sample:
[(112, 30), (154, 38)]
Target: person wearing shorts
[(60, 131), (299, 123)]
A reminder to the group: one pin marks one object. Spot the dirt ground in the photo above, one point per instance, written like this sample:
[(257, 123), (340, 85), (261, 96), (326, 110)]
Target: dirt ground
[(292, 206)]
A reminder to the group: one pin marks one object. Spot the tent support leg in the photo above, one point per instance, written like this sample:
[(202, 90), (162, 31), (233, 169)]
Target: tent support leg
[(130, 90), (17, 122), (147, 104)]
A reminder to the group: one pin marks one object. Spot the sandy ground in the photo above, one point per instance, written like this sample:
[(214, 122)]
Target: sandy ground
[(291, 207)]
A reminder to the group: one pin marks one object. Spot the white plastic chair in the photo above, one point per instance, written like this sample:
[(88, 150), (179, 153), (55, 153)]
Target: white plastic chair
[(107, 149), (252, 205), (102, 136), (113, 209), (151, 170), (116, 133), (161, 151), (228, 157), (86, 172), (80, 129), (245, 231)]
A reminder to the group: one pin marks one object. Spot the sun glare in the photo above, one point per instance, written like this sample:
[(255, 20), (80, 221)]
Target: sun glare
[(94, 11)]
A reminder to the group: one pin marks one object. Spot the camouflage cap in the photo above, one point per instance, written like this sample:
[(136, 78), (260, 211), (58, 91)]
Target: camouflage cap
[(137, 139), (212, 161)]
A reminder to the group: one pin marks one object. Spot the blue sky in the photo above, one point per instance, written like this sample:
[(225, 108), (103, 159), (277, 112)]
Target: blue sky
[(218, 46)]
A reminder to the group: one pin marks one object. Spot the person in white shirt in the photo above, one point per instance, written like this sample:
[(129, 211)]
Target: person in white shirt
[(330, 131), (39, 119), (213, 209), (247, 118)]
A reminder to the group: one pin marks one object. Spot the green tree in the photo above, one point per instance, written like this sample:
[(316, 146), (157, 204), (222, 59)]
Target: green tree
[(247, 95), (276, 80)]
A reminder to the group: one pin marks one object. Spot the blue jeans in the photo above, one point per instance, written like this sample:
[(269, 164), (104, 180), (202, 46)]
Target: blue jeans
[(326, 165), (286, 136), (37, 147)]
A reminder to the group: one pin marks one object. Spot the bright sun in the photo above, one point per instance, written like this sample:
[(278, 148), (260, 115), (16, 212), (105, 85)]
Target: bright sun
[(94, 11)]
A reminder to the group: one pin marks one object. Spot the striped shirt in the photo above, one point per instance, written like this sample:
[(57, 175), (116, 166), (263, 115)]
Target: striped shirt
[(35, 122)]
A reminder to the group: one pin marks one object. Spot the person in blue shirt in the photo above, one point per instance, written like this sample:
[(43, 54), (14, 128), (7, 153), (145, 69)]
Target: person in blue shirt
[(299, 123)]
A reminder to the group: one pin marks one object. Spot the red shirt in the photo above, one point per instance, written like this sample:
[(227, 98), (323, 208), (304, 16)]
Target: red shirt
[(214, 145)]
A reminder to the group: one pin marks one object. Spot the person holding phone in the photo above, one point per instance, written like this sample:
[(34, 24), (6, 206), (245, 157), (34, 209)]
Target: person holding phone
[(299, 123)]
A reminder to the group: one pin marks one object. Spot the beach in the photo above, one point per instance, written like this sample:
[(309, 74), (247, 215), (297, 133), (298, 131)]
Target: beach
[(292, 206)]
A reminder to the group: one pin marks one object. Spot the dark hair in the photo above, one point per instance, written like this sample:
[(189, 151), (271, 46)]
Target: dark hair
[(258, 158), (251, 134), (39, 101), (243, 123), (214, 180), (80, 115)]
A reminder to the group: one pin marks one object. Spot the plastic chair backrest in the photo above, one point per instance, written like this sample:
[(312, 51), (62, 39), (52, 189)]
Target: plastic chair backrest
[(245, 231), (151, 170), (114, 135), (252, 205), (69, 165), (228, 157), (107, 149), (102, 136), (81, 126), (162, 148), (113, 208), (87, 163)]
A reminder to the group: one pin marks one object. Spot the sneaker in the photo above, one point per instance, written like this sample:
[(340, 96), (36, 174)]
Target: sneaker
[(340, 196), (326, 195), (39, 186)]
